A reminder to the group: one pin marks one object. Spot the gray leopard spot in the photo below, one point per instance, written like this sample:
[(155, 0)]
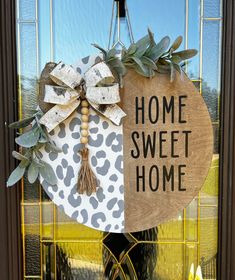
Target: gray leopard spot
[(74, 202), (111, 188), (75, 135), (53, 156), (108, 227), (59, 172), (111, 203), (101, 154), (94, 118), (93, 202), (61, 194), (113, 178), (64, 162), (96, 142), (104, 169), (96, 217), (110, 138), (94, 161), (117, 147), (116, 227), (97, 59), (105, 125), (79, 70), (65, 148), (94, 130), (75, 215), (84, 216), (73, 123), (62, 133), (121, 189), (118, 164), (76, 149), (69, 176), (85, 59), (117, 214), (100, 194)]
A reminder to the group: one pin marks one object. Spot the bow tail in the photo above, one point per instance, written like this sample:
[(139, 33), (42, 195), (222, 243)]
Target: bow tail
[(112, 112), (58, 114)]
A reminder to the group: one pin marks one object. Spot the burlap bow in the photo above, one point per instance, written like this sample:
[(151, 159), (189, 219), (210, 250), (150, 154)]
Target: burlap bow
[(96, 85)]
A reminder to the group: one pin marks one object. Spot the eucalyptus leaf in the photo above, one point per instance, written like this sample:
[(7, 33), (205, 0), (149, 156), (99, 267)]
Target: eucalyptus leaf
[(15, 176), (186, 54), (111, 53), (139, 63), (48, 174), (19, 156), (33, 172), (22, 123), (29, 138)]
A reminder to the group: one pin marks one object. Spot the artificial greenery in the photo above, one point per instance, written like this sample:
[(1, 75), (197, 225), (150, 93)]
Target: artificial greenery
[(31, 141), (145, 56)]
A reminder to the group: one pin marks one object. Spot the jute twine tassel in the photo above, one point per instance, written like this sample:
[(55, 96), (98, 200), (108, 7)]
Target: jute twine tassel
[(87, 181)]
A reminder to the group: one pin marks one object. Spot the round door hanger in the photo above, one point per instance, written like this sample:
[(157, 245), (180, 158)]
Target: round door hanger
[(148, 169)]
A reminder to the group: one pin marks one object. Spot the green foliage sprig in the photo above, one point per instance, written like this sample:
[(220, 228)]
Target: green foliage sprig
[(31, 142), (147, 57)]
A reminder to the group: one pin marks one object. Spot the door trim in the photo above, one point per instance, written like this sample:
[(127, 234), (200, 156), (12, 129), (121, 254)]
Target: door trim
[(226, 244), (10, 233), (10, 236)]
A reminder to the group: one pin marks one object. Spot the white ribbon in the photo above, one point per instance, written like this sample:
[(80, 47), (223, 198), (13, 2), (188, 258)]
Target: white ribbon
[(66, 96)]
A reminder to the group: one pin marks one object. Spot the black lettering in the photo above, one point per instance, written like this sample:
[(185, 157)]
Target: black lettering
[(181, 105), (173, 140), (186, 132), (138, 177), (139, 109), (134, 136), (154, 167), (161, 140), (180, 174), (167, 177), (149, 143), (168, 108), (155, 109)]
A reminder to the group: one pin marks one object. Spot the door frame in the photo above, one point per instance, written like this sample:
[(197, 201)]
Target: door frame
[(10, 233)]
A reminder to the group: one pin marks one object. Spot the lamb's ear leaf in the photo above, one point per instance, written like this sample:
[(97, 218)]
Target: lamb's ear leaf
[(29, 138), (22, 123), (186, 54), (19, 156), (48, 174), (33, 172), (159, 49), (176, 44), (15, 176)]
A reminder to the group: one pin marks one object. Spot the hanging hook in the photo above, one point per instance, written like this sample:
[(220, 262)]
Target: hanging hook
[(121, 13)]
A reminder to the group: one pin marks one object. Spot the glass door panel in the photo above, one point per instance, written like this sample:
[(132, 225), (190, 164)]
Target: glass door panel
[(56, 247)]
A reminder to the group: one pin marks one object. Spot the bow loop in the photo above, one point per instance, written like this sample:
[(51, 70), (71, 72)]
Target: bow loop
[(96, 85)]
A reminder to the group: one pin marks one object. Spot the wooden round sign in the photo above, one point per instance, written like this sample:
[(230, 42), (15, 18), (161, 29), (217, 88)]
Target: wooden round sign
[(167, 147), (149, 168)]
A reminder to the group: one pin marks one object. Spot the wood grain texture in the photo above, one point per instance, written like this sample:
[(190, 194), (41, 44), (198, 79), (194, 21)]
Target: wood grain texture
[(147, 209)]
